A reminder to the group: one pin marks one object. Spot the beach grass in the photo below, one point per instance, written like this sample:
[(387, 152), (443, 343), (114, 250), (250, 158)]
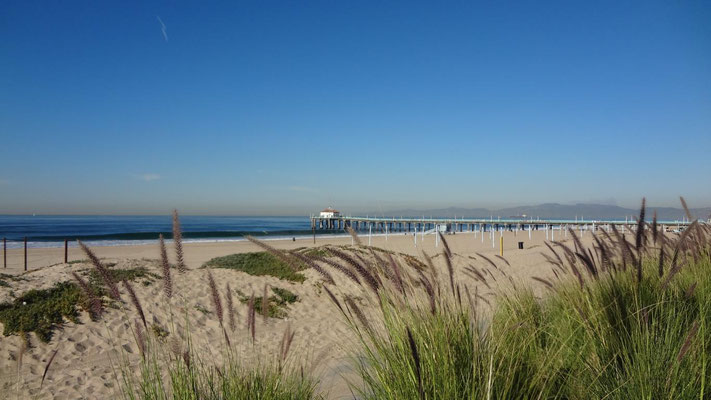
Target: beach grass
[(189, 377), (626, 320)]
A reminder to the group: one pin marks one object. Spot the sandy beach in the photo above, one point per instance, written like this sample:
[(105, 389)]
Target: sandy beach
[(89, 353)]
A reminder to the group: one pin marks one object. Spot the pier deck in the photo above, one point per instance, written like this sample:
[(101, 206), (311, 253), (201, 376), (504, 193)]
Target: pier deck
[(392, 224)]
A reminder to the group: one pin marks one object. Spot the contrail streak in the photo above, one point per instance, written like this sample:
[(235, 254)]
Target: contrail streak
[(163, 29)]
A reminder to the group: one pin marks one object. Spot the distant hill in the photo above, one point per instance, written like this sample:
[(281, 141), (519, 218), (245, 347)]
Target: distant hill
[(551, 211)]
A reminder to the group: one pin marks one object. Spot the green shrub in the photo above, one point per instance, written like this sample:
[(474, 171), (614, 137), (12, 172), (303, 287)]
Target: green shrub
[(40, 311), (258, 264)]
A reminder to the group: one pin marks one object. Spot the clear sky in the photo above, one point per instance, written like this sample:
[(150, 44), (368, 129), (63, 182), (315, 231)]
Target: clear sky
[(267, 107)]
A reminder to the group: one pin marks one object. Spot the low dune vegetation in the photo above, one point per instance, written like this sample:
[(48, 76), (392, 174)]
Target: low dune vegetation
[(622, 320), (43, 310), (259, 264)]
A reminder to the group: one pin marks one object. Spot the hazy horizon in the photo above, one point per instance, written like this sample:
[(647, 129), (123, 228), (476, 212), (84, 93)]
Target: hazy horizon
[(346, 210), (273, 109)]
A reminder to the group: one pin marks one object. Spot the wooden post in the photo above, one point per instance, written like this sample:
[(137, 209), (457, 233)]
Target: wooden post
[(66, 251), (25, 253), (4, 251), (501, 246), (314, 230)]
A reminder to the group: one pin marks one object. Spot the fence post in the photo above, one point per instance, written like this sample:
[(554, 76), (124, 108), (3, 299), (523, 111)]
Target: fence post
[(25, 253), (501, 246), (66, 251)]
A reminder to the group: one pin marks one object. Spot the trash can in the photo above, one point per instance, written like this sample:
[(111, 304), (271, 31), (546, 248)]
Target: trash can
[(520, 245)]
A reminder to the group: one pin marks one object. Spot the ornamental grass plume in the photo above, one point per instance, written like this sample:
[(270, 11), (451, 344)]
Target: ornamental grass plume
[(102, 270), (165, 266), (178, 243)]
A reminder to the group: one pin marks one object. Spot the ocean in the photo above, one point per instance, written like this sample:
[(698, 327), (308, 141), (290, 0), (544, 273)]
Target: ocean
[(50, 231)]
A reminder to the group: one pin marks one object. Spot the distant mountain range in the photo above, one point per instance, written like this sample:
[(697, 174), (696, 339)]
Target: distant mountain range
[(552, 211)]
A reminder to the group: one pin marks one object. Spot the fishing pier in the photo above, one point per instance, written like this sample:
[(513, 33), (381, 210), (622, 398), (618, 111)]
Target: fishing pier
[(337, 222)]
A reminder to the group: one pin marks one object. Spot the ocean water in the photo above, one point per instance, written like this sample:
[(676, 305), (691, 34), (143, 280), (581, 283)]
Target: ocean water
[(50, 231)]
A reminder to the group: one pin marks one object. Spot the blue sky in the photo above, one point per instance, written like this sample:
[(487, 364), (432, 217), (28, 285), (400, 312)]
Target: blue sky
[(286, 107)]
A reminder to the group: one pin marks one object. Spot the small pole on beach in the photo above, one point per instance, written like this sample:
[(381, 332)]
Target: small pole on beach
[(501, 246), (529, 231), (370, 232), (25, 253), (552, 234), (314, 231), (66, 251), (493, 246), (4, 252), (436, 235), (415, 235)]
